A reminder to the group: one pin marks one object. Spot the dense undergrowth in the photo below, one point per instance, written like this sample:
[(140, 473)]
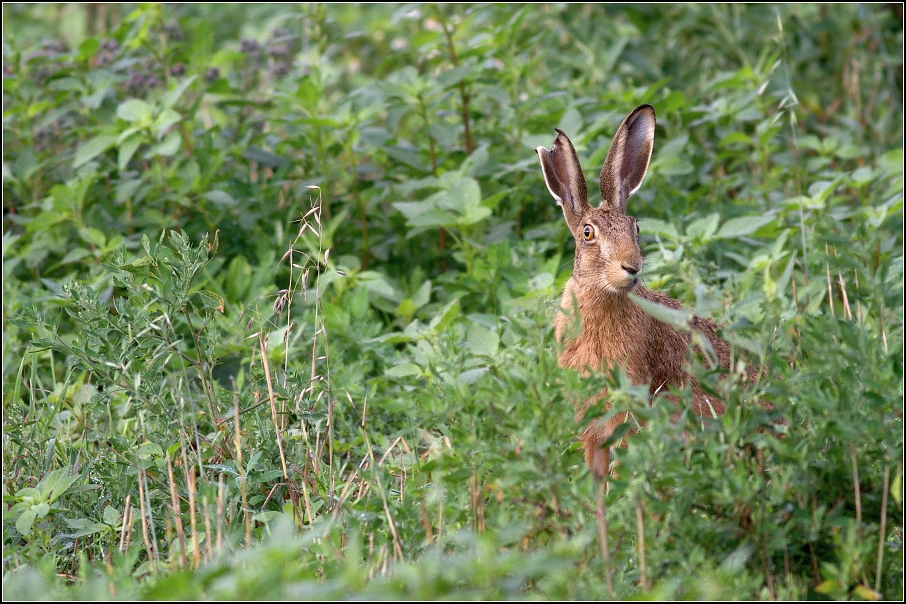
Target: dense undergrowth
[(278, 284)]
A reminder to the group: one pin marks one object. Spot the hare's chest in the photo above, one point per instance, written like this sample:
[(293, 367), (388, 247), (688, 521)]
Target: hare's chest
[(602, 343)]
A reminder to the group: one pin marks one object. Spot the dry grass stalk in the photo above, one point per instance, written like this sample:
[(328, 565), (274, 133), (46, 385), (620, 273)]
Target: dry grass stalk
[(141, 498), (177, 515), (243, 489), (190, 479), (126, 530), (220, 512), (262, 341)]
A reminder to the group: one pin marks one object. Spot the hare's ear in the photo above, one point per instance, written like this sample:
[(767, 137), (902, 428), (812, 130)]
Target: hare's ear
[(564, 179), (627, 160)]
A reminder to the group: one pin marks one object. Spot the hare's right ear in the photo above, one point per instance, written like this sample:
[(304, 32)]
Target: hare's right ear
[(564, 179), (627, 160)]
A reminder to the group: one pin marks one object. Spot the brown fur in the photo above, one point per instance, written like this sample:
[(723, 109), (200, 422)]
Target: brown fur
[(614, 331)]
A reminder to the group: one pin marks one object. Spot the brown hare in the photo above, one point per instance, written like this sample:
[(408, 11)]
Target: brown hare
[(614, 330)]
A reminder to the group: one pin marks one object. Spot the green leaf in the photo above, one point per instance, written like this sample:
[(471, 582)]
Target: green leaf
[(83, 527), (482, 341), (474, 215), (168, 100), (210, 300), (265, 158), (163, 122), (433, 218), (378, 283), (671, 159), (112, 516), (93, 236), (148, 449), (25, 521), (92, 148), (703, 228), (406, 309), (454, 76), (571, 122), (445, 317), (167, 147), (476, 162), (403, 370), (220, 198), (135, 110), (742, 226), (464, 195), (678, 319), (423, 295), (654, 226), (127, 150), (55, 483)]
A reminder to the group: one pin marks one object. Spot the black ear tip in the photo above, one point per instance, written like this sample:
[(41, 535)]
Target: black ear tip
[(647, 109)]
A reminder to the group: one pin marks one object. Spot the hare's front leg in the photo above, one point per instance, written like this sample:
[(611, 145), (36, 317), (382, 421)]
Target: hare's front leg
[(597, 455)]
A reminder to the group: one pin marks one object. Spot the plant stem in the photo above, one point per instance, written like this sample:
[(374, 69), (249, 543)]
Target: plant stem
[(883, 530), (601, 515)]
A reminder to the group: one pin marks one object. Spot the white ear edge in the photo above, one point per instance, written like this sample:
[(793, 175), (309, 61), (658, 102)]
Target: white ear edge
[(648, 135), (547, 176)]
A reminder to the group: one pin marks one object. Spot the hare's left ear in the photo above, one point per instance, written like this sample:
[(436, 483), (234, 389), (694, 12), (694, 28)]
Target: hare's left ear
[(627, 160), (564, 179)]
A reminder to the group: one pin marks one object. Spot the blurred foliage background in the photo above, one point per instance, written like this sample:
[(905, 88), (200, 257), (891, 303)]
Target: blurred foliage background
[(278, 283)]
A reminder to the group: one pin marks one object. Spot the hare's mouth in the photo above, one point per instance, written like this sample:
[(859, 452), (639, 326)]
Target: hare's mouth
[(624, 281), (622, 286)]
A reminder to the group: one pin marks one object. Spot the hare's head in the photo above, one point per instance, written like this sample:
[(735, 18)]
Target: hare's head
[(608, 258)]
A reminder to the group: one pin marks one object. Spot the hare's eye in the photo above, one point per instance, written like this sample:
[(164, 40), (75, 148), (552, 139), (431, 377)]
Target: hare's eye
[(637, 229), (589, 233)]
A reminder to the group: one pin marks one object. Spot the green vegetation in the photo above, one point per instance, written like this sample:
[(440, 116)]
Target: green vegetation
[(278, 284)]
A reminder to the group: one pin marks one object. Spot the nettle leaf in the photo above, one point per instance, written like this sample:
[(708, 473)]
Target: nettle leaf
[(83, 527), (92, 148), (403, 370), (55, 483), (167, 147), (463, 196), (265, 158), (742, 226), (474, 215), (210, 300), (169, 99), (423, 295), (482, 341), (654, 226), (127, 150), (445, 317), (703, 228), (112, 516), (93, 236), (378, 283), (163, 122), (411, 209), (678, 319), (135, 110), (454, 76), (571, 122), (433, 218), (26, 521), (220, 198), (670, 159)]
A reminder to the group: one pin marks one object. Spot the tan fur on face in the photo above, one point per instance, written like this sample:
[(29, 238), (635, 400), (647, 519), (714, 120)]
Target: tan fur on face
[(614, 331)]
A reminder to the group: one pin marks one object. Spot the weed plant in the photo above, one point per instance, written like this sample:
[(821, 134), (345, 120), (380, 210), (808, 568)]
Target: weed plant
[(278, 285)]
